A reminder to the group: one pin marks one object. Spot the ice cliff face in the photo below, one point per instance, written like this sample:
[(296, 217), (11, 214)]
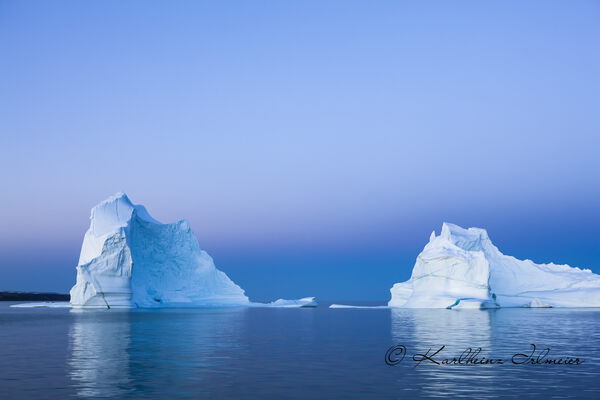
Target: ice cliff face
[(461, 268), (128, 259)]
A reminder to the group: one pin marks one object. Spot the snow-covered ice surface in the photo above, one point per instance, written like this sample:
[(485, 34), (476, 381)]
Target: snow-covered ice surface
[(461, 268), (128, 259)]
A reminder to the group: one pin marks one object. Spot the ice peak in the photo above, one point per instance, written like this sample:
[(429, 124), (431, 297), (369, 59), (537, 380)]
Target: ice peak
[(112, 213), (468, 239), (119, 196)]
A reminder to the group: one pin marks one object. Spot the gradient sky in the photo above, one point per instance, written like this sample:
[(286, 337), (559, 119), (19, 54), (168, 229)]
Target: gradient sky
[(312, 145)]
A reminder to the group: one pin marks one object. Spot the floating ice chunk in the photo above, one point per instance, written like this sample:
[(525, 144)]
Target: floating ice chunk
[(349, 306), (282, 303), (43, 304)]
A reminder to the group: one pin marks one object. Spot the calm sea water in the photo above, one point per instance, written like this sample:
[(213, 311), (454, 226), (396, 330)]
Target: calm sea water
[(292, 353)]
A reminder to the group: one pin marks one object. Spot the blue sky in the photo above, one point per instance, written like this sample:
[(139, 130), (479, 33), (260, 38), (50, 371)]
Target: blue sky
[(313, 146)]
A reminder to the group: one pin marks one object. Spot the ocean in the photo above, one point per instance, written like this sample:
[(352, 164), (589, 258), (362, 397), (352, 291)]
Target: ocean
[(312, 353)]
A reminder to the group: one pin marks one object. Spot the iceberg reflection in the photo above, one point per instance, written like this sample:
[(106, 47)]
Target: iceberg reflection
[(123, 354), (452, 327), (99, 361), (458, 330)]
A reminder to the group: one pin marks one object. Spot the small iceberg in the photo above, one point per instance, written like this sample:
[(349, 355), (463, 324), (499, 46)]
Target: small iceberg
[(282, 303)]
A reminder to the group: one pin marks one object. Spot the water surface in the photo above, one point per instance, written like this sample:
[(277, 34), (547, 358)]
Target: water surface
[(253, 353)]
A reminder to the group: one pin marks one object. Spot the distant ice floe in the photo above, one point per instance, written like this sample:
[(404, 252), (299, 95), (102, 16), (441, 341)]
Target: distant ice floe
[(306, 302), (348, 306), (43, 304)]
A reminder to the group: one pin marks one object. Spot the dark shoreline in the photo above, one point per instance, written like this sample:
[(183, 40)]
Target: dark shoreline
[(22, 296)]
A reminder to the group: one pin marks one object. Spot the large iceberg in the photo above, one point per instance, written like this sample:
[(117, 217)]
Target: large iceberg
[(128, 259), (461, 268)]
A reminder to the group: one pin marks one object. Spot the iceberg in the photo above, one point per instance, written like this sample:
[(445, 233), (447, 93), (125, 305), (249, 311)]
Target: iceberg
[(461, 268), (129, 260), (282, 303)]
